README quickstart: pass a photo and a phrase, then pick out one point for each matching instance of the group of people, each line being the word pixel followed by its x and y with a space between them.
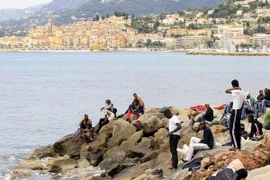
pixel 241 105
pixel 86 131
pixel 236 110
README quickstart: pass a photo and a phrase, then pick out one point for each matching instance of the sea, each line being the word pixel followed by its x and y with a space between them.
pixel 43 96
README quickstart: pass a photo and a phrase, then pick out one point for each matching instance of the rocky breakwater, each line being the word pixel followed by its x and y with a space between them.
pixel 124 151
pixel 213 53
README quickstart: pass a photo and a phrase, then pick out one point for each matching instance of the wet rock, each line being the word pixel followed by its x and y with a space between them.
pixel 112 156
pixel 20 174
pixel 42 152
pixel 67 146
pixel 83 163
pixel 62 165
pixel 96 156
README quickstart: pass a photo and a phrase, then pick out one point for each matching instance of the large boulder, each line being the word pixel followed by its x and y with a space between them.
pixel 42 152
pixel 122 130
pixel 96 156
pixel 212 152
pixel 259 174
pixel 142 148
pixel 62 165
pixel 68 146
pixel 131 141
pixel 216 129
pixel 162 142
pixel 148 123
pixel 112 156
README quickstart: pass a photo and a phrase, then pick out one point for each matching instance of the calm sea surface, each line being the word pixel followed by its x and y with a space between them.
pixel 43 96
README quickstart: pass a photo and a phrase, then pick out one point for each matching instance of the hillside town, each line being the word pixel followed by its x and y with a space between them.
pixel 245 30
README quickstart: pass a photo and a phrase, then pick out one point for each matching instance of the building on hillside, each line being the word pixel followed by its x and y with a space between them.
pixel 261 39
pixel 187 32
pixel 192 42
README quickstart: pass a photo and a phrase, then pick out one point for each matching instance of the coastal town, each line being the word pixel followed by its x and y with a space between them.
pixel 194 29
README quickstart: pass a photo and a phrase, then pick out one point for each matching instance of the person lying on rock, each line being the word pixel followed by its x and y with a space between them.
pixel 256 133
pixel 208 115
pixel 83 125
pixel 136 110
pixel 109 116
pixel 234 171
pixel 199 144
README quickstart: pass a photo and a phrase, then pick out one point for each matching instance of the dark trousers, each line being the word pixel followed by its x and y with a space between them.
pixel 235 128
pixel 102 122
pixel 173 145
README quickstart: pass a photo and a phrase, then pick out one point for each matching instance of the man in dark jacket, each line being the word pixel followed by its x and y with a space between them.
pixel 199 144
pixel 208 115
pixel 256 128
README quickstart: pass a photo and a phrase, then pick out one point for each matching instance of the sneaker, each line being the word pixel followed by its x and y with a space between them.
pixel 91 139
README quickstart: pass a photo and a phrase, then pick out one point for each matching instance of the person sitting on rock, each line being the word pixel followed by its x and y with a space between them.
pixel 250 106
pixel 136 110
pixel 85 125
pixel 266 100
pixel 234 171
pixel 199 144
pixel 109 116
pixel 266 121
pixel 108 105
pixel 135 99
pixel 255 129
pixel 260 97
pixel 87 129
pixel 208 115
pixel 227 113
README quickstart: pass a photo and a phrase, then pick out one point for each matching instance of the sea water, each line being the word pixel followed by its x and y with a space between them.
pixel 43 96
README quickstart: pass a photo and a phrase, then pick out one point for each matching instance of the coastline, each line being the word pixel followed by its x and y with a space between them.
pixel 186 51
pixel 124 150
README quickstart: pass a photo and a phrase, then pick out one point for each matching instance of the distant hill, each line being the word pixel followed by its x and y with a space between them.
pixel 69 11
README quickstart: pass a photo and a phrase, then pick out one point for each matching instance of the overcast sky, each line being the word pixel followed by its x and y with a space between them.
pixel 20 4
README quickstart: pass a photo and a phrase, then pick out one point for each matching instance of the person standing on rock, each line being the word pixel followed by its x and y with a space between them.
pixel 174 135
pixel 238 101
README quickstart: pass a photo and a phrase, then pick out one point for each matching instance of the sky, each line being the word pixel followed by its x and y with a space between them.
pixel 21 4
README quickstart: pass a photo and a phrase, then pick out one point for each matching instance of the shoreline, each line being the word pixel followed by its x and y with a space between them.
pixel 187 52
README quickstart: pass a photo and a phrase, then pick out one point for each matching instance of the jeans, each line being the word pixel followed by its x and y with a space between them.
pixel 173 146
pixel 265 103
pixel 253 111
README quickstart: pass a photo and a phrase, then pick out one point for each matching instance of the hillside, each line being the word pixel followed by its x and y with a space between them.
pixel 69 11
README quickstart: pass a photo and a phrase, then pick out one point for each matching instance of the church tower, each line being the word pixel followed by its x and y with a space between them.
pixel 50 25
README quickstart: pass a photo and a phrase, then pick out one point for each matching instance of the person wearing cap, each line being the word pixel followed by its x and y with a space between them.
pixel 249 106
pixel 173 134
